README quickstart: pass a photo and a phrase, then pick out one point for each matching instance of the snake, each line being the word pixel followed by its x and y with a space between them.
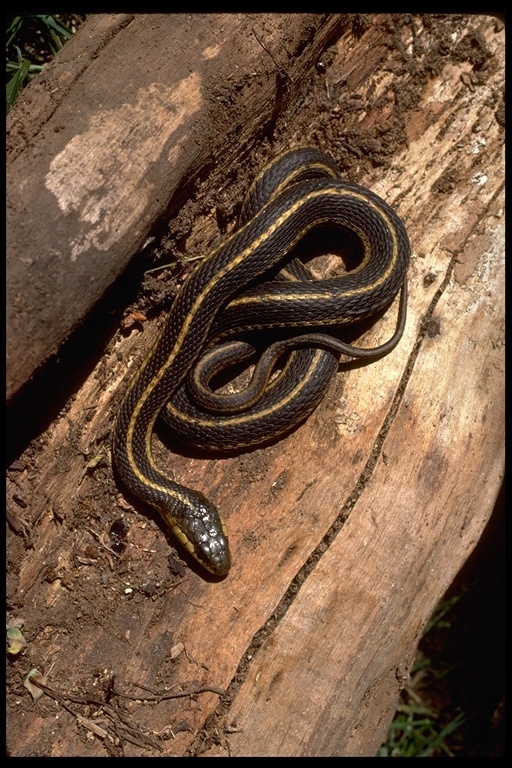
pixel 252 283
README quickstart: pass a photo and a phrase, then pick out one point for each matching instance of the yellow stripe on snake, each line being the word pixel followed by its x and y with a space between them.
pixel 245 284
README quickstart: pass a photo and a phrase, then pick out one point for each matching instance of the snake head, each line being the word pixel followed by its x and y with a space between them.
pixel 202 532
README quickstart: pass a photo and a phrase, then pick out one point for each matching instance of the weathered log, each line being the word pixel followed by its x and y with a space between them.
pixel 346 534
pixel 115 134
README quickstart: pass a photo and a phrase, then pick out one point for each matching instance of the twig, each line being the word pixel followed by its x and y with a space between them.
pixel 119 722
pixel 168 695
pixel 279 66
pixel 119 728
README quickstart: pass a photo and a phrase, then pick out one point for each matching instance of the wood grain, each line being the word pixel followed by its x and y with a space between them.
pixel 346 534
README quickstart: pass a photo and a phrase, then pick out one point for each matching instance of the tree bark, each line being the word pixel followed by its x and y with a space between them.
pixel 346 534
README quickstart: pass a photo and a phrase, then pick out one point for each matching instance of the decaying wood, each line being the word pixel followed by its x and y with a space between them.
pixel 120 131
pixel 346 534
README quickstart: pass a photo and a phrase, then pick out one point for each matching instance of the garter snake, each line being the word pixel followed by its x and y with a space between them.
pixel 298 192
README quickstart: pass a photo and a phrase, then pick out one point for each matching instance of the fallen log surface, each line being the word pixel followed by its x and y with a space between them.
pixel 346 534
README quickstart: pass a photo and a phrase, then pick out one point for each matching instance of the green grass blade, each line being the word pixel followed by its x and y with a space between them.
pixel 15 83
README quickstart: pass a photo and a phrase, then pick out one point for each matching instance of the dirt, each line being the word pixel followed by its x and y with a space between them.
pixel 327 118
